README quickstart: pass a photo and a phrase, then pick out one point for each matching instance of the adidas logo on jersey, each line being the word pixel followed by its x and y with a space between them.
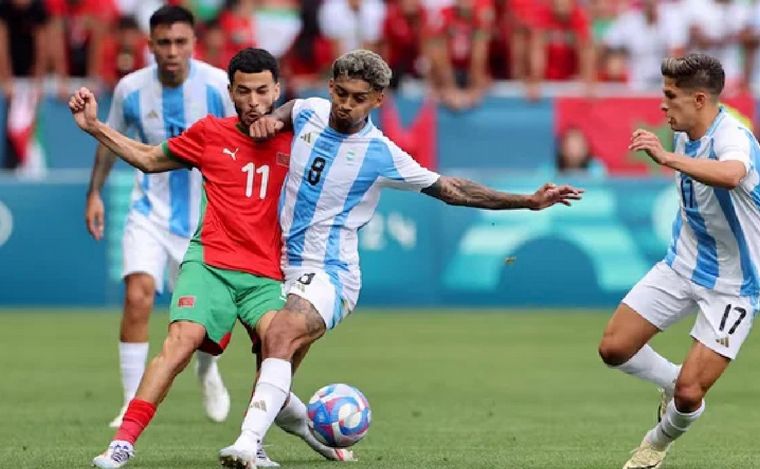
pixel 723 341
pixel 307 137
pixel 152 114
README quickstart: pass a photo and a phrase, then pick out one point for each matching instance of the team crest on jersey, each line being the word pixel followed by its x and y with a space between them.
pixel 187 301
pixel 283 159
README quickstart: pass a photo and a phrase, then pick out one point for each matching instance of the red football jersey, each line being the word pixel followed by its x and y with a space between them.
pixel 242 179
pixel 459 27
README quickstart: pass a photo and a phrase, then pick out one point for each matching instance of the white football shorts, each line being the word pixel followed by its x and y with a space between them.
pixel 149 249
pixel 664 297
pixel 324 292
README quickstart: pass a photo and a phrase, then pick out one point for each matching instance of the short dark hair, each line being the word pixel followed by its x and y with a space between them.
pixel 695 71
pixel 252 60
pixel 167 15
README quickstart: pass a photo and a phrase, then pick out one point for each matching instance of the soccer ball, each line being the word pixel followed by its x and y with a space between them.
pixel 339 415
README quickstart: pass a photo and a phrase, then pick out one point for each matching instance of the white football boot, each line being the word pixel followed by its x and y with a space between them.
pixel 238 457
pixel 646 456
pixel 299 428
pixel 216 398
pixel 263 460
pixel 117 455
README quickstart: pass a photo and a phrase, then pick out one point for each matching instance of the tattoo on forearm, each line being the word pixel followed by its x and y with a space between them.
pixel 459 191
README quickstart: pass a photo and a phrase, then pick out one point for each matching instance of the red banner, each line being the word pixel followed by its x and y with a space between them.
pixel 608 123
pixel 419 139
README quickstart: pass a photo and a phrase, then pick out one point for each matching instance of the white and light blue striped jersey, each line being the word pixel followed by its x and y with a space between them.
pixel 716 234
pixel 141 104
pixel 332 190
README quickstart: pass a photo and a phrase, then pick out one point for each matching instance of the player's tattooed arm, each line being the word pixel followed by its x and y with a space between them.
pixel 268 126
pixel 284 113
pixel 460 191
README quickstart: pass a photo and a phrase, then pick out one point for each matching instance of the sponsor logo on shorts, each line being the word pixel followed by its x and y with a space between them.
pixel 283 159
pixel 187 301
pixel 723 341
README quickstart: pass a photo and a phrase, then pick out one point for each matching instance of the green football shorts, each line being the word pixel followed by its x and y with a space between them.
pixel 215 298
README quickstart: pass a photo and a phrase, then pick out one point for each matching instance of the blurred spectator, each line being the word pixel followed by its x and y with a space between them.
pixel 236 21
pixel 352 24
pixel 204 10
pixel 22 41
pixel 212 46
pixel 499 54
pixel 308 62
pixel 647 35
pixel 574 155
pixel 459 52
pixel 23 27
pixel 77 31
pixel 602 14
pixel 720 28
pixel 520 19
pixel 277 24
pixel 752 56
pixel 140 10
pixel 561 46
pixel 613 66
pixel 403 35
pixel 124 52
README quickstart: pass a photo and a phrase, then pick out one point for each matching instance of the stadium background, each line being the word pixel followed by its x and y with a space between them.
pixel 525 388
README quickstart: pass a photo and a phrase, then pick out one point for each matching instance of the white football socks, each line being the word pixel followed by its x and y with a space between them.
pixel 653 367
pixel 132 358
pixel 293 417
pixel 206 364
pixel 673 424
pixel 271 391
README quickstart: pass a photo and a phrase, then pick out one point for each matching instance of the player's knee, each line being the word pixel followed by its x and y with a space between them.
pixel 612 352
pixel 284 336
pixel 138 300
pixel 179 347
pixel 688 396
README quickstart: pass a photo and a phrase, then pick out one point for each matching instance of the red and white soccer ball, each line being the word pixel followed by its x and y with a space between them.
pixel 339 415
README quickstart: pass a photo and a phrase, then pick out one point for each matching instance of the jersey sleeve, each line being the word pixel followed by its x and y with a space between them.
pixel 304 109
pixel 117 119
pixel 734 144
pixel 187 147
pixel 401 171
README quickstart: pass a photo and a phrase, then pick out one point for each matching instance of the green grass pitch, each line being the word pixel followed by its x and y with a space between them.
pixel 448 390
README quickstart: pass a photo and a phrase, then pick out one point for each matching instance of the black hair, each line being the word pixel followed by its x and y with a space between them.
pixel 167 15
pixel 252 60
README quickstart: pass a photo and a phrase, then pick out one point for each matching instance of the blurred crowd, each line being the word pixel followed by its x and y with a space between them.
pixel 458 47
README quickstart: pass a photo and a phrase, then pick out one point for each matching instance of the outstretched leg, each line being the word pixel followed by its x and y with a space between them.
pixel 183 339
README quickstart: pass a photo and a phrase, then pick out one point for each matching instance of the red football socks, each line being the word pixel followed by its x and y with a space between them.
pixel 138 416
